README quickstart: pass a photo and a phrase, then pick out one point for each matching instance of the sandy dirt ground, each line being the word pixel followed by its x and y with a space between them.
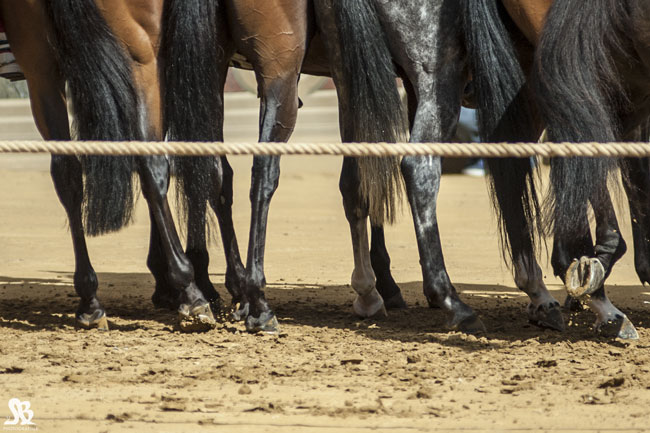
pixel 327 370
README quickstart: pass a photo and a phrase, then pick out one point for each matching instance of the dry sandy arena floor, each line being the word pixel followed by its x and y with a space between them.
pixel 327 370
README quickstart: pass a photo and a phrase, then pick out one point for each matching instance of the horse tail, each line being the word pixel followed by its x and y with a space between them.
pixel 105 105
pixel 375 105
pixel 193 100
pixel 504 113
pixel 579 93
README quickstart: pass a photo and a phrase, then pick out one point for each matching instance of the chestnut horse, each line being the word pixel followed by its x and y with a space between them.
pixel 108 54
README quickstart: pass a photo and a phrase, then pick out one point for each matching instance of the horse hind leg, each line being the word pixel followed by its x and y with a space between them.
pixel 369 302
pixel 564 254
pixel 47 88
pixel 380 261
pixel 66 174
pixel 510 188
pixel 587 274
pixel 279 109
pixel 194 311
pixel 196 249
pixel 235 271
pixel 637 188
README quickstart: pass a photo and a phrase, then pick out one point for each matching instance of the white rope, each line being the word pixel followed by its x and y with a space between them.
pixel 496 150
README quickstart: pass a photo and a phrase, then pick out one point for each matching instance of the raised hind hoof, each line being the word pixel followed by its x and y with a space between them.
pixel 164 301
pixel 396 302
pixel 584 277
pixel 470 325
pixel 239 311
pixel 572 305
pixel 198 318
pixel 369 305
pixel 267 323
pixel 621 327
pixel 547 316
pixel 96 320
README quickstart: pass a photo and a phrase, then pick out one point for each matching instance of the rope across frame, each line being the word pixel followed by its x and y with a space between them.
pixel 485 150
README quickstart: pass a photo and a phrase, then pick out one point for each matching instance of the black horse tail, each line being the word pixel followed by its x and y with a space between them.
pixel 193 101
pixel 369 77
pixel 105 105
pixel 579 93
pixel 504 114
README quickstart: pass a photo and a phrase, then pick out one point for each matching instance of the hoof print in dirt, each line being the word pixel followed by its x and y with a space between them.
pixel 267 323
pixel 584 277
pixel 96 320
pixel 547 316
pixel 196 318
pixel 621 327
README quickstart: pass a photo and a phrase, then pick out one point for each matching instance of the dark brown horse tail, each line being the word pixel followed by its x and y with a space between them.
pixel 105 104
pixel 504 114
pixel 193 109
pixel 579 92
pixel 369 76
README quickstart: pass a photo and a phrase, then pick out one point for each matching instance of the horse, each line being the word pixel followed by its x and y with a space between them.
pixel 432 62
pixel 592 89
pixel 107 52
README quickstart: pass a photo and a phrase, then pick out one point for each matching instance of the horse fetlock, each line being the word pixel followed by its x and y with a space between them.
pixel 363 281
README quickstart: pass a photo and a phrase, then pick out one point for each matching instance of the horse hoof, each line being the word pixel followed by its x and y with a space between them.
pixel 163 301
pixel 546 316
pixel 198 318
pixel 369 305
pixel 396 302
pixel 239 311
pixel 584 277
pixel 469 325
pixel 96 320
pixel 621 327
pixel 572 305
pixel 267 323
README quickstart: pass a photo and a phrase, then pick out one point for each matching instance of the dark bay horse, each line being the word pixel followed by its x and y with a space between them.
pixel 108 54
pixel 595 89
